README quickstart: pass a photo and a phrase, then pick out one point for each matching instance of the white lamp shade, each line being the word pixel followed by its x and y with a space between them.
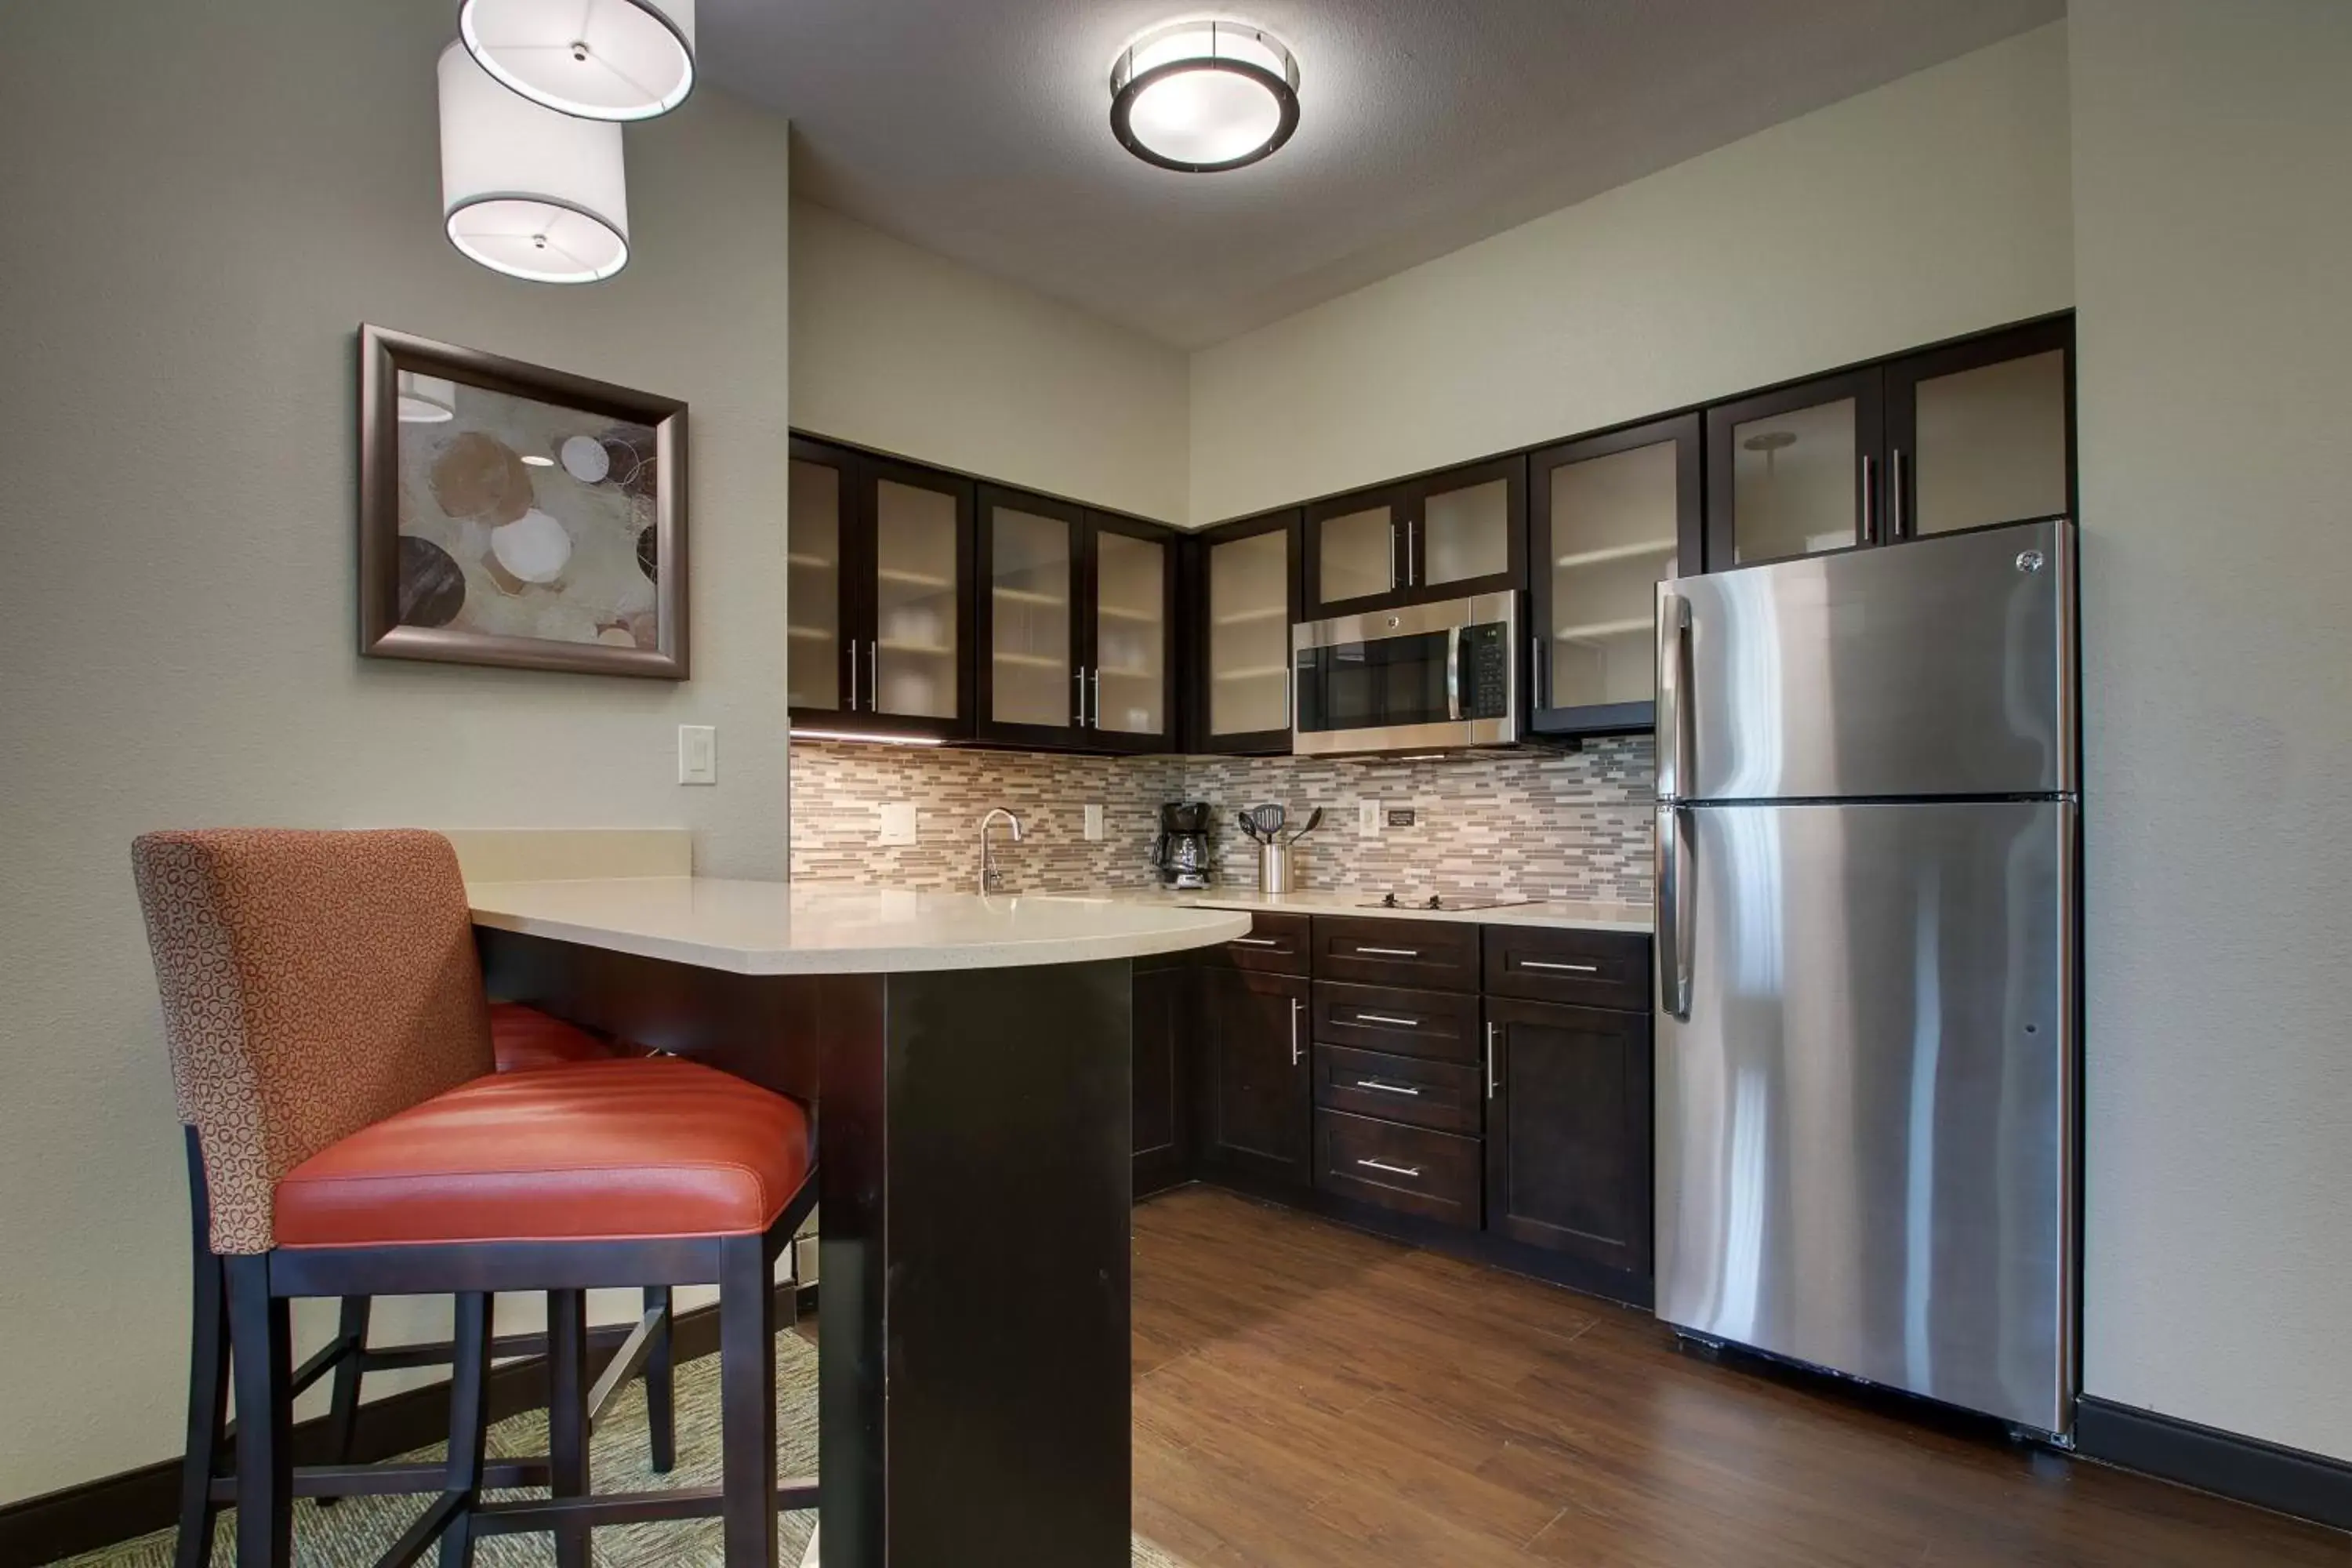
pixel 427 399
pixel 524 190
pixel 598 59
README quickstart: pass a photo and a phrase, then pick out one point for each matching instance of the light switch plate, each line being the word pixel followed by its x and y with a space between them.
pixel 898 821
pixel 1094 824
pixel 698 754
pixel 1367 819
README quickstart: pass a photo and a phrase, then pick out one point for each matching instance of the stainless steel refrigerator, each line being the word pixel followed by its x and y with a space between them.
pixel 1868 1064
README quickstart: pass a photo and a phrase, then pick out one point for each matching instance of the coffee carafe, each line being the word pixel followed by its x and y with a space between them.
pixel 1180 853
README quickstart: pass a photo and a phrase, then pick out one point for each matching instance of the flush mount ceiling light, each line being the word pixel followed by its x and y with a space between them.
pixel 1202 97
pixel 598 59
pixel 524 190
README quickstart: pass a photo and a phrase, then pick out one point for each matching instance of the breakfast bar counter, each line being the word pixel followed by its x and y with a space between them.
pixel 968 1060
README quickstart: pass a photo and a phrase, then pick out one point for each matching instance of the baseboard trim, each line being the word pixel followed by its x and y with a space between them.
pixel 2248 1469
pixel 123 1507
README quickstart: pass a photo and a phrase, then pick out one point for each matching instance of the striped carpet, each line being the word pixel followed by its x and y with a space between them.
pixel 354 1532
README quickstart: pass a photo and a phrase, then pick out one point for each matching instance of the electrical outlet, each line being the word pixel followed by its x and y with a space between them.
pixel 1094 824
pixel 698 754
pixel 1367 819
pixel 897 823
pixel 1400 817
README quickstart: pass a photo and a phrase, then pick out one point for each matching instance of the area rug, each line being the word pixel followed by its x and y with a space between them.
pixel 355 1533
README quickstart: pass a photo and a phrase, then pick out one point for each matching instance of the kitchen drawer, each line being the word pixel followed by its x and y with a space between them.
pixel 1435 955
pixel 1436 1025
pixel 1408 1169
pixel 1276 944
pixel 1579 968
pixel 1445 1097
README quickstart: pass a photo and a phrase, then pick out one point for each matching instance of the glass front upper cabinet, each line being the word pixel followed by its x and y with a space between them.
pixel 1442 536
pixel 878 561
pixel 1979 433
pixel 1795 472
pixel 1130 693
pixel 1614 516
pixel 1248 601
pixel 1033 573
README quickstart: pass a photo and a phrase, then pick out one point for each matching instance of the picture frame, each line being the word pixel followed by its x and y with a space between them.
pixel 519 517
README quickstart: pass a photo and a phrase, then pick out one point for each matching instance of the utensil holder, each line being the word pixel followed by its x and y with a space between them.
pixel 1273 868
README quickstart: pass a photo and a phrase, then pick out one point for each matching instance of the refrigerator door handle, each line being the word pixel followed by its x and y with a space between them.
pixel 1674 693
pixel 1674 919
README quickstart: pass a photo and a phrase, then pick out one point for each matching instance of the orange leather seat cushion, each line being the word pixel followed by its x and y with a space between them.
pixel 630 1148
pixel 524 1039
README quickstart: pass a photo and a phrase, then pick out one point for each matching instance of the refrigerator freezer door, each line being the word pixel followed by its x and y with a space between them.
pixel 1865 1138
pixel 1940 667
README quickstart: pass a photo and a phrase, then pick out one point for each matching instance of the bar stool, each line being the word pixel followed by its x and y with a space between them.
pixel 331 1048
pixel 521 1038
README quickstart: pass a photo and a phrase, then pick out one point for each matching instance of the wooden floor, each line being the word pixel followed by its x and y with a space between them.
pixel 1306 1394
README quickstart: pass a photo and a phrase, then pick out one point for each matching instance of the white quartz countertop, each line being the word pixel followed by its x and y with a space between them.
pixel 1554 913
pixel 779 928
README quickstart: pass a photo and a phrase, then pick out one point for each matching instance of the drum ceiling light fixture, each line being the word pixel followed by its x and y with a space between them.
pixel 596 60
pixel 1201 97
pixel 524 190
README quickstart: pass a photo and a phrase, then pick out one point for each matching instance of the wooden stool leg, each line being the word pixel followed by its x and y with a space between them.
pixel 207 1408
pixel 343 1414
pixel 567 1417
pixel 261 1345
pixel 469 1422
pixel 661 1386
pixel 747 1399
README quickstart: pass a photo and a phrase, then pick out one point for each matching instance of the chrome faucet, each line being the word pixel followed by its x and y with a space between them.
pixel 989 875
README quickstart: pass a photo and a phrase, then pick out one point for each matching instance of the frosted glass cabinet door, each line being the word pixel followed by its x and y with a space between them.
pixel 1356 554
pixel 1467 532
pixel 1614 516
pixel 918 600
pixel 1248 640
pixel 1978 432
pixel 1128 685
pixel 1794 472
pixel 816 585
pixel 1031 569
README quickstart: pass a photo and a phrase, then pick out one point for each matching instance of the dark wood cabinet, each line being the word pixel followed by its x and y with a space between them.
pixel 1609 517
pixel 1255 1085
pixel 1965 434
pixel 1163 993
pixel 1445 536
pixel 880 570
pixel 1075 618
pixel 1411 1170
pixel 1243 593
pixel 1567 1131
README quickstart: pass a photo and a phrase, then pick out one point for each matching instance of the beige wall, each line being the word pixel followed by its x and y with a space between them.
pixel 203 202
pixel 899 349
pixel 2213 218
pixel 1930 207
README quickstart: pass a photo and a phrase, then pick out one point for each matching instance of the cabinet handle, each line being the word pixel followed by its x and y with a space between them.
pixel 1294 1005
pixel 853 677
pixel 1388 1019
pixel 1255 941
pixel 1412 542
pixel 1568 968
pixel 1490 1061
pixel 1412 1170
pixel 1390 951
pixel 1388 1088
pixel 1869 499
pixel 1094 683
pixel 1895 507
pixel 1536 674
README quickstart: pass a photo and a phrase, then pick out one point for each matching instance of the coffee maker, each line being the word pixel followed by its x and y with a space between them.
pixel 1181 852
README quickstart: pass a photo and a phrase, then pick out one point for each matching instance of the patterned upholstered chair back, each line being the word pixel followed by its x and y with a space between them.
pixel 313 983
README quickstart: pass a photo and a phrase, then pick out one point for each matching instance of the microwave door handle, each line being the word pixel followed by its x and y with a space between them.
pixel 1453 674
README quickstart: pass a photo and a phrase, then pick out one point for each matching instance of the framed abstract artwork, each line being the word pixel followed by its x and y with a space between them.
pixel 516 516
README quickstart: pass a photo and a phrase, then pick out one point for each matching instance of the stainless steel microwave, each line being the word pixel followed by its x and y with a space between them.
pixel 1426 677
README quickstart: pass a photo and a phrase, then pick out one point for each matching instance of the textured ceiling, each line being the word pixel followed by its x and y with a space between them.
pixel 979 129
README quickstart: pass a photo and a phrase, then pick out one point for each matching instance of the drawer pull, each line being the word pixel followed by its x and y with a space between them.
pixel 1388 1088
pixel 1412 1170
pixel 1388 1019
pixel 1390 951
pixel 1570 968
pixel 1255 941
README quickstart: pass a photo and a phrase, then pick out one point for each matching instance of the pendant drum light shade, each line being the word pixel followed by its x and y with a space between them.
pixel 598 59
pixel 426 399
pixel 524 190
pixel 1202 97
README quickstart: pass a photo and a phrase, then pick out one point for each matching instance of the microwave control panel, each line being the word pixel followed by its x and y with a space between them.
pixel 1486 671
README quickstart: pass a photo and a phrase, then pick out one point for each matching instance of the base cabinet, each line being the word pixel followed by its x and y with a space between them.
pixel 1567 1131
pixel 1255 1090
pixel 1163 1005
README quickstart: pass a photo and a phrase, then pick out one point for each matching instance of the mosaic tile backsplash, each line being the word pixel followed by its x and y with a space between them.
pixel 1534 825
